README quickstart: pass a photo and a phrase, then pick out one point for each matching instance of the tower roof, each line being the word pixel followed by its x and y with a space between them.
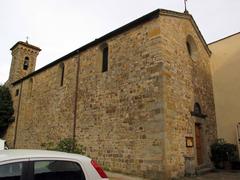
pixel 26 44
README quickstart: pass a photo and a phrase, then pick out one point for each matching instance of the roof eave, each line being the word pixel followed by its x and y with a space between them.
pixel 26 45
pixel 143 19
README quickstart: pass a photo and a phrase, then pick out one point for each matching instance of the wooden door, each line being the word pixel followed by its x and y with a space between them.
pixel 198 143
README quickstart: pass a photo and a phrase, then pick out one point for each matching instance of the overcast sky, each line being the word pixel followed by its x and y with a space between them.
pixel 61 26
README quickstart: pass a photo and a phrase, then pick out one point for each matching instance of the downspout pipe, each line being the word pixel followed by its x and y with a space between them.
pixel 75 101
pixel 18 110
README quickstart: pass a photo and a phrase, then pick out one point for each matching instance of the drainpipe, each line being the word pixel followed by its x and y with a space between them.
pixel 18 110
pixel 75 101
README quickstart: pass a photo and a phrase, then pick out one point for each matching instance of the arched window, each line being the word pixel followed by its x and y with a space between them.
pixel 191 48
pixel 26 63
pixel 30 86
pixel 104 57
pixel 197 109
pixel 17 92
pixel 61 67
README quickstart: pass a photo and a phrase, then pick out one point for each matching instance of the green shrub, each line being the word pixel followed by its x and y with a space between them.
pixel 65 145
pixel 222 152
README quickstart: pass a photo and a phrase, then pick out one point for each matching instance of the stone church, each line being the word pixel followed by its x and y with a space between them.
pixel 139 99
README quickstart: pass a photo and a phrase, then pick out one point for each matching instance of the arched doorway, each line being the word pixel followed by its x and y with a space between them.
pixel 199 121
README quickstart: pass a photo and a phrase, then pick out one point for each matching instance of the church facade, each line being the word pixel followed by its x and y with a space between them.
pixel 139 99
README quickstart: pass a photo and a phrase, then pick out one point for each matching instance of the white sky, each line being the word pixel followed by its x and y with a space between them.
pixel 61 26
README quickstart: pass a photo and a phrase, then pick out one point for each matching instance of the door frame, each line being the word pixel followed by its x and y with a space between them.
pixel 199 143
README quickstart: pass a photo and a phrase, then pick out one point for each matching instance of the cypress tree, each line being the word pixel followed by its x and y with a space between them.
pixel 6 109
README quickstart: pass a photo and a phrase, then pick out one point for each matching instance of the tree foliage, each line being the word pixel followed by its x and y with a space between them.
pixel 6 109
pixel 65 145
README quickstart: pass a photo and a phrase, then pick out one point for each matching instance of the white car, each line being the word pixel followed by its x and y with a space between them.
pixel 47 165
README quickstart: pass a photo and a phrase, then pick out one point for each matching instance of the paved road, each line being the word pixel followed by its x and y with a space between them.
pixel 218 175
pixel 116 176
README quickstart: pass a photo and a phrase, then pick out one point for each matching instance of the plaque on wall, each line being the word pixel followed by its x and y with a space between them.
pixel 189 141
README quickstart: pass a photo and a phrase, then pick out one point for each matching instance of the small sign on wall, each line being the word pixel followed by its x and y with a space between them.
pixel 2 144
pixel 189 141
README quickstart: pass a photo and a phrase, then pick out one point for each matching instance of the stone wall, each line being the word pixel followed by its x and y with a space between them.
pixel 46 109
pixel 186 82
pixel 122 109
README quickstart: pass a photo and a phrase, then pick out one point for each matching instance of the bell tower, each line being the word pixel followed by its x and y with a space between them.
pixel 24 56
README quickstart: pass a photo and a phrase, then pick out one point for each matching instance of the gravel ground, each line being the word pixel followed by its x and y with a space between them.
pixel 217 175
